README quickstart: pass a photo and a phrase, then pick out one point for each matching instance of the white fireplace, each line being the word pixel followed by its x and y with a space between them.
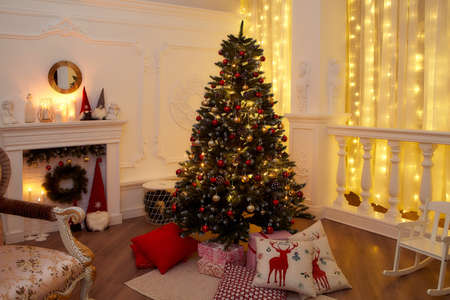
pixel 14 139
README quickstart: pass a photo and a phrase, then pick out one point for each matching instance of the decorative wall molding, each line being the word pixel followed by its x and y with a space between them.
pixel 333 85
pixel 303 85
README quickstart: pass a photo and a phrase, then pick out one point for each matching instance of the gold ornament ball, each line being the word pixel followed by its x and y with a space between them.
pixel 211 143
pixel 214 109
pixel 229 198
pixel 205 102
pixel 287 187
pixel 233 65
pixel 280 126
pixel 264 129
pixel 245 87
pixel 69 161
pixel 250 208
pixel 245 179
pixel 249 138
pixel 263 212
pixel 86 158
pixel 237 120
pixel 216 198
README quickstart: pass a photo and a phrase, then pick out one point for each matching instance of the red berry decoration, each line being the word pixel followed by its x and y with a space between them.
pixel 192 139
pixel 272 131
pixel 237 75
pixel 262 58
pixel 255 126
pixel 260 111
pixel 259 148
pixel 225 61
pixel 275 202
pixel 261 80
pixel 255 74
pixel 198 118
pixel 199 177
pixel 227 182
pixel 179 171
pixel 285 174
pixel 258 94
pixel 241 53
pixel 220 52
pixel 205 228
pixel 269 229
pixel 60 164
pixel 174 194
pixel 174 207
pixel 238 107
pixel 300 194
pixel 194 184
pixel 222 82
pixel 276 116
pixel 213 179
pixel 201 156
pixel 213 86
pixel 248 162
pixel 232 136
pixel 214 122
pixel 284 138
pixel 220 163
pixel 48 167
pixel 202 209
pixel 230 213
pixel 227 109
pixel 221 73
pixel 258 177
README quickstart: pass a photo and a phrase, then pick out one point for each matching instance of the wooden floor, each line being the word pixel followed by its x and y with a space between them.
pixel 361 255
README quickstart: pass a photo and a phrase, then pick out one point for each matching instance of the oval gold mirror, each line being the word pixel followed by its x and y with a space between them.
pixel 64 77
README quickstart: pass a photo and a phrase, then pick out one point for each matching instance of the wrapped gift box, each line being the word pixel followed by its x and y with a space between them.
pixel 251 253
pixel 211 269
pixel 215 253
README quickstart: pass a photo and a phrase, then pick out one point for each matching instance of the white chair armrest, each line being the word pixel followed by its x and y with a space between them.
pixel 411 225
pixel 446 240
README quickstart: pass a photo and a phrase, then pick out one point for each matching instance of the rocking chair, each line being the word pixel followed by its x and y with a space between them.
pixel 422 243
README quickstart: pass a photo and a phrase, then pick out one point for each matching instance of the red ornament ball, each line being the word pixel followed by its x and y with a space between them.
pixel 60 164
pixel 300 194
pixel 238 107
pixel 285 174
pixel 248 162
pixel 272 131
pixel 174 207
pixel 227 109
pixel 269 229
pixel 192 139
pixel 260 111
pixel 199 177
pixel 48 167
pixel 214 122
pixel 292 221
pixel 241 53
pixel 261 80
pixel 227 182
pixel 255 74
pixel 230 213
pixel 262 58
pixel 213 179
pixel 222 82
pixel 237 75
pixel 255 126
pixel 213 85
pixel 221 73
pixel 232 136
pixel 220 52
pixel 220 163
pixel 276 116
pixel 225 61
pixel 284 138
pixel 259 148
pixel 198 118
pixel 258 94
pixel 179 171
pixel 201 156
pixel 275 202
pixel 174 194
pixel 202 209
pixel 205 228
pixel 258 177
pixel 194 184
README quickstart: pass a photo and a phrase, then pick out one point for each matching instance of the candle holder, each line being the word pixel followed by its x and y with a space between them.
pixel 46 113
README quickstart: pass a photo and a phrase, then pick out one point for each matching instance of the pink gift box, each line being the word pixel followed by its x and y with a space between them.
pixel 215 253
pixel 251 253
pixel 208 268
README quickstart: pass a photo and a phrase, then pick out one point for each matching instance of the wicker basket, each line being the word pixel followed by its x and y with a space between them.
pixel 157 200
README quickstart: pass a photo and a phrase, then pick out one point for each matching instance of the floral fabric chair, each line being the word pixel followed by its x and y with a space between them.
pixel 32 273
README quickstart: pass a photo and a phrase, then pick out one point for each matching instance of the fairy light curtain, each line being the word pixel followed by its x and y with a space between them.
pixel 269 21
pixel 398 76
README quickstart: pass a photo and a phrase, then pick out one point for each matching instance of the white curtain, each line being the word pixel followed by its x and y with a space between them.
pixel 398 76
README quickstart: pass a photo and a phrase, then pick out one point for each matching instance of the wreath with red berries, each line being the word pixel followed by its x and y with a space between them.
pixel 63 195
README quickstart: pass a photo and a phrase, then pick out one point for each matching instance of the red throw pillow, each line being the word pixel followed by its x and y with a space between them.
pixel 164 247
pixel 141 261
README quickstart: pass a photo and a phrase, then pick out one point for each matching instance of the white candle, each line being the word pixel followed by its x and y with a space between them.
pixel 29 194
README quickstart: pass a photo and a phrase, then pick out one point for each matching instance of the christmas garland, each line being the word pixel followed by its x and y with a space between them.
pixel 40 155
pixel 62 195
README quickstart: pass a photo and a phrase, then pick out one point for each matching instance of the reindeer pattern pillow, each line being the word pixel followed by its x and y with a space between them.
pixel 284 265
pixel 326 274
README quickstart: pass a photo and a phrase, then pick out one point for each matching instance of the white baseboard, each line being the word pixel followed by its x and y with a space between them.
pixel 133 212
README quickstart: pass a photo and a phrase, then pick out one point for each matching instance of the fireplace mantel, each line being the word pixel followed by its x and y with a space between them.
pixel 14 139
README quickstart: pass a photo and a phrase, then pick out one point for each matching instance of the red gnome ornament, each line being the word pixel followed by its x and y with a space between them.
pixel 85 109
pixel 97 217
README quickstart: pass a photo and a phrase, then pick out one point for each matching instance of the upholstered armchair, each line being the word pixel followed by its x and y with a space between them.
pixel 29 272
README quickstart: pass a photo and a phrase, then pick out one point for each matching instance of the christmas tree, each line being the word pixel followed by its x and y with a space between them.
pixel 238 172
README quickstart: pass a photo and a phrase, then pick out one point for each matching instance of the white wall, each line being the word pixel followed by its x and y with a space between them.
pixel 153 59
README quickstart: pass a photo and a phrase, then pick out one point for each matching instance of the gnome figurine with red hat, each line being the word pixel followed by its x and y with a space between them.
pixel 97 217
pixel 85 110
